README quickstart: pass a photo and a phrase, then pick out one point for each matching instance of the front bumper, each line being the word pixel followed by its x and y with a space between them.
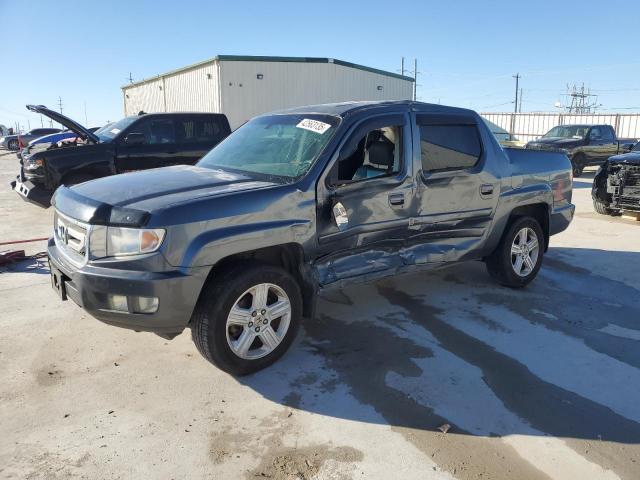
pixel 32 192
pixel 561 218
pixel 89 286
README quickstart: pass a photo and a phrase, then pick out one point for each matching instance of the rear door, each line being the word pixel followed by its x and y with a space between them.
pixel 148 143
pixel 457 188
pixel 365 200
pixel 196 135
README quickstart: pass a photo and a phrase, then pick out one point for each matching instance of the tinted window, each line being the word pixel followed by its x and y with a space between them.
pixel 607 134
pixel 155 130
pixel 447 147
pixel 198 130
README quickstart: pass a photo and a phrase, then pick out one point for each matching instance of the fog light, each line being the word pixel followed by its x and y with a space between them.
pixel 144 304
pixel 118 302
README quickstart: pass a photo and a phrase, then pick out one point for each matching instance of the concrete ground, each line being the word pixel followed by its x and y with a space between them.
pixel 542 383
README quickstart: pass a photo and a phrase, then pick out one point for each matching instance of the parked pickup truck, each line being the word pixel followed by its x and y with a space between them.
pixel 584 144
pixel 616 186
pixel 238 246
pixel 136 142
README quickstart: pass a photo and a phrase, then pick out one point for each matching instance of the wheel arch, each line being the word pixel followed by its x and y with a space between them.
pixel 539 211
pixel 288 256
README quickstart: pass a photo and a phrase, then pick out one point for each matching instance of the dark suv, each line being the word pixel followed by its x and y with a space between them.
pixel 137 142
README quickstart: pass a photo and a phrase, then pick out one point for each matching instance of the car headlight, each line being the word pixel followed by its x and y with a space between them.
pixel 119 241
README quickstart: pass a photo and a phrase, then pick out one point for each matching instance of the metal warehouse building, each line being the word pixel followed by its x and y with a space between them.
pixel 244 86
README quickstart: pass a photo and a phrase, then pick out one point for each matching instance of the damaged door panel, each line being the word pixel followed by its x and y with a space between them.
pixel 371 181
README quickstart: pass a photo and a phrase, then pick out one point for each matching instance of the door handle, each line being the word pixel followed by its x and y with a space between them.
pixel 396 199
pixel 486 189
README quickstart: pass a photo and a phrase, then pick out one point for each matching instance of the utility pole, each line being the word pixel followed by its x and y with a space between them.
pixel 415 79
pixel 86 122
pixel 402 67
pixel 131 78
pixel 60 104
pixel 517 77
pixel 520 106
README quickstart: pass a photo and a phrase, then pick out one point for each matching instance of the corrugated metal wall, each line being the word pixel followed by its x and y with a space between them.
pixel 193 90
pixel 147 96
pixel 529 126
pixel 291 84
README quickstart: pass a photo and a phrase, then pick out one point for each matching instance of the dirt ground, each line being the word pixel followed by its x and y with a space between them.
pixel 542 383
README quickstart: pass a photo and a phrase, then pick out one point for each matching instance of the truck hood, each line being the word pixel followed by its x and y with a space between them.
pixel 66 121
pixel 129 199
pixel 632 158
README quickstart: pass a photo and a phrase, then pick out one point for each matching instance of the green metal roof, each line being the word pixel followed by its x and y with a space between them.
pixel 258 58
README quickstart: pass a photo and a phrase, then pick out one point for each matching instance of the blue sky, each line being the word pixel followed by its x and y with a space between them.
pixel 467 50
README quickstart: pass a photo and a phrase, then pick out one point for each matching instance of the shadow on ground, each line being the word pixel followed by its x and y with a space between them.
pixel 559 358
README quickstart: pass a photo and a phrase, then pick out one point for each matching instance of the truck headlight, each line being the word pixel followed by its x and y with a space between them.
pixel 133 241
pixel 107 241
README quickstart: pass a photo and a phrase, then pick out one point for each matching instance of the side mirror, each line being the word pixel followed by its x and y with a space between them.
pixel 340 216
pixel 134 139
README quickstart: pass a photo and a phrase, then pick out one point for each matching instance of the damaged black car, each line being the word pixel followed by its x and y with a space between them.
pixel 616 186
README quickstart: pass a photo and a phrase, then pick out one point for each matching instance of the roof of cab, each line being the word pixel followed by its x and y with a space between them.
pixel 345 108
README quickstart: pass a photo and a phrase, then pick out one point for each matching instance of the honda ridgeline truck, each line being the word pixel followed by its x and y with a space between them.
pixel 237 247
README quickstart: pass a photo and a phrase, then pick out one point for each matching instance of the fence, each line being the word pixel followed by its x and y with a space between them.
pixel 529 126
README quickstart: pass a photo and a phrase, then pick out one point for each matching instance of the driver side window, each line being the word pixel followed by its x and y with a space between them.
pixel 155 130
pixel 377 153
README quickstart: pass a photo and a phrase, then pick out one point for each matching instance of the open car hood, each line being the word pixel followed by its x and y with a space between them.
pixel 72 125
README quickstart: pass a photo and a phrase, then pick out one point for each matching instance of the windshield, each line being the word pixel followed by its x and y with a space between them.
pixel 567 131
pixel 107 134
pixel 280 145
pixel 636 147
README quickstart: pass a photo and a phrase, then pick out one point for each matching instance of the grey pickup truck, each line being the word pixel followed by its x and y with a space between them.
pixel 238 246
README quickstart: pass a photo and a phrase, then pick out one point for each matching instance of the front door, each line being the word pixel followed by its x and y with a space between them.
pixel 601 144
pixel 148 143
pixel 364 202
pixel 457 191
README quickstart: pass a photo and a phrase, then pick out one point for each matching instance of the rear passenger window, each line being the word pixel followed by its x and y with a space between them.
pixel 192 130
pixel 449 147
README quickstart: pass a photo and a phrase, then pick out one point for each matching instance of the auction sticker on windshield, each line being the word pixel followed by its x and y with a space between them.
pixel 314 125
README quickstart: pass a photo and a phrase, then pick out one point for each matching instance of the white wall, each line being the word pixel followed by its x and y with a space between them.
pixel 235 90
pixel 147 96
pixel 291 84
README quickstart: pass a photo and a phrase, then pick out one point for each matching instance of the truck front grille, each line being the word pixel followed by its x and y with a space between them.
pixel 71 237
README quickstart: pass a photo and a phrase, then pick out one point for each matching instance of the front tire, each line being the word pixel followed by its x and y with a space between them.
pixel 603 208
pixel 518 257
pixel 247 317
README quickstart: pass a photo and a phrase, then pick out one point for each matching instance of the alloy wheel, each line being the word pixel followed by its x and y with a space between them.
pixel 525 249
pixel 258 321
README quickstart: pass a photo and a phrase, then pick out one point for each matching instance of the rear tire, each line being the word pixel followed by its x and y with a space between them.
pixel 518 257
pixel 257 332
pixel 13 145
